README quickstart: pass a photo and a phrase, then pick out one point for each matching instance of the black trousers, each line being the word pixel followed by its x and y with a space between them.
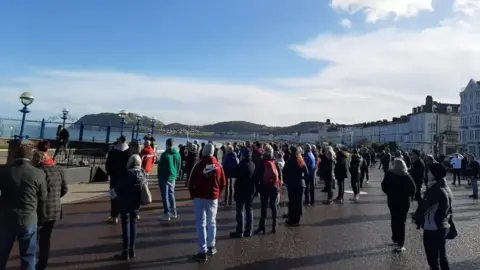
pixel 309 190
pixel 268 197
pixel 295 205
pixel 398 214
pixel 363 175
pixel 418 187
pixel 329 186
pixel 355 181
pixel 456 175
pixel 44 235
pixel 341 188
pixel 434 244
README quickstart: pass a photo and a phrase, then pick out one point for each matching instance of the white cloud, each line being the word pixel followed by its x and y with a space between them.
pixel 376 10
pixel 469 7
pixel 346 23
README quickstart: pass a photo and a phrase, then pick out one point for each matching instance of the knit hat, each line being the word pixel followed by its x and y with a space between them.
pixel 25 151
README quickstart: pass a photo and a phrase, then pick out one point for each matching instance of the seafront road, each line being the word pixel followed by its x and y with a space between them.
pixel 348 236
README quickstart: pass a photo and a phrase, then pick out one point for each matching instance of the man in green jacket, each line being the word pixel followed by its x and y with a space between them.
pixel 168 169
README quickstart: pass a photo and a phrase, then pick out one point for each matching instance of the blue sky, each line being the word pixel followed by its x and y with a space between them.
pixel 247 58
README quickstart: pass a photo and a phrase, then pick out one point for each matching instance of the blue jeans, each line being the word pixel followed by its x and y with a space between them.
pixel 205 217
pixel 129 229
pixel 167 190
pixel 244 219
pixel 27 244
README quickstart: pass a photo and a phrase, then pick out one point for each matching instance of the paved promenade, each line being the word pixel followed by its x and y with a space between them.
pixel 348 236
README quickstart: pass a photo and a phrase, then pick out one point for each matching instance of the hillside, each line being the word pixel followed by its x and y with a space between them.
pixel 239 127
pixel 104 119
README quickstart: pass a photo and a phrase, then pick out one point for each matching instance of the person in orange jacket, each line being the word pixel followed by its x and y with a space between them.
pixel 147 156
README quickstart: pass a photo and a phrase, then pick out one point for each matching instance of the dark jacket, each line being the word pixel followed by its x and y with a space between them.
pixel 51 208
pixel 435 209
pixel 366 157
pixel 257 157
pixel 341 166
pixel 63 136
pixel 116 164
pixel 418 171
pixel 22 188
pixel 399 188
pixel 129 189
pixel 294 174
pixel 407 159
pixel 245 184
pixel 230 163
pixel 355 164
pixel 473 169
pixel 191 160
pixel 386 160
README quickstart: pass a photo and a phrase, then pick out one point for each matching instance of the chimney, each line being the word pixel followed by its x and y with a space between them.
pixel 414 110
pixel 428 104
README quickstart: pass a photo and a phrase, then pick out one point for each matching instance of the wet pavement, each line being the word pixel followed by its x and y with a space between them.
pixel 348 236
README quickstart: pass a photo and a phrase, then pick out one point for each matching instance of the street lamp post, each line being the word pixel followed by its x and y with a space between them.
pixel 122 114
pixel 27 99
pixel 139 118
pixel 153 120
pixel 64 116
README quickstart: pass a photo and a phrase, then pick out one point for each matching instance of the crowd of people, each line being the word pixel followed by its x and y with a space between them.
pixel 240 172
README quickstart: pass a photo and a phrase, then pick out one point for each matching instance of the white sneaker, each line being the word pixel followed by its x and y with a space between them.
pixel 164 218
pixel 173 216
pixel 399 249
pixel 357 197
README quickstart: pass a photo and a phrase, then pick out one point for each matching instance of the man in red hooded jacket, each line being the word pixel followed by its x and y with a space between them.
pixel 206 183
pixel 147 156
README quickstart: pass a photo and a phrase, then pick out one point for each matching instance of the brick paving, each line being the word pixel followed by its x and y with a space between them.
pixel 348 236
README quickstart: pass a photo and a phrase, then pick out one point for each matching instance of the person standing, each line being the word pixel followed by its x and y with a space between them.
pixel 434 217
pixel 147 155
pixel 341 173
pixel 268 184
pixel 50 211
pixel 293 174
pixel 399 187
pixel 62 140
pixel 456 163
pixel 418 173
pixel 355 164
pixel 22 189
pixel 206 183
pixel 386 160
pixel 129 192
pixel 230 163
pixel 311 164
pixel 244 194
pixel 168 169
pixel 191 160
pixel 116 165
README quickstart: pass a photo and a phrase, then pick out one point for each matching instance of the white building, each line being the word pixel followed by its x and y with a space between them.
pixel 433 128
pixel 470 117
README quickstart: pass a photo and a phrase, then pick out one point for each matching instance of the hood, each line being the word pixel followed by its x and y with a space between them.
pixel 139 174
pixel 399 172
pixel 171 151
pixel 121 147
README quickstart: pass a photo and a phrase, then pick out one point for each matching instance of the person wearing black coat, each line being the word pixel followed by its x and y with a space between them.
pixel 116 166
pixel 294 173
pixel 385 161
pixel 417 171
pixel 355 164
pixel 244 194
pixel 364 170
pixel 407 159
pixel 340 173
pixel 399 187
pixel 191 159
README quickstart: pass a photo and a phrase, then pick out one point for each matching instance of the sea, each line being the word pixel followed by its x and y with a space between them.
pixel 33 132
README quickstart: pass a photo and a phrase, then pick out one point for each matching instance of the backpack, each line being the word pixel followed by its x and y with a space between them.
pixel 270 173
pixel 145 194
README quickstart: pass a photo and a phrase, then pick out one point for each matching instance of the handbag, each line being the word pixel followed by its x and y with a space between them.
pixel 145 194
pixel 452 232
